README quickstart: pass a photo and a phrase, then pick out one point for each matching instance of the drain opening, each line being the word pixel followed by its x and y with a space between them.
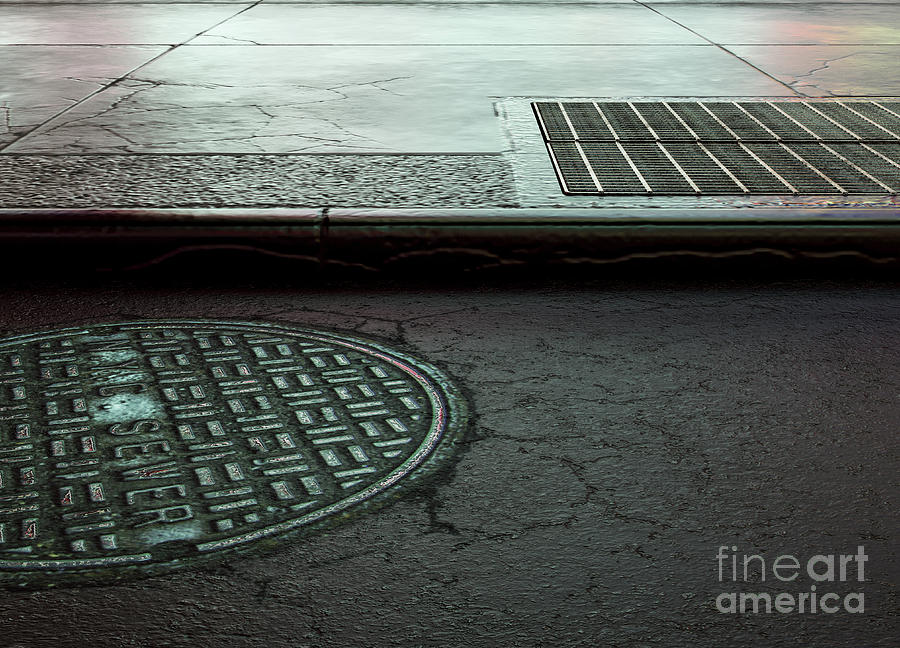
pixel 723 147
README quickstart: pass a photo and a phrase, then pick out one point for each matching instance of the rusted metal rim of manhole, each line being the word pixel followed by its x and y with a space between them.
pixel 137 448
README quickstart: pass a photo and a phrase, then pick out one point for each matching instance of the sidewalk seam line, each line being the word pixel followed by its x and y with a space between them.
pixel 721 47
pixel 115 82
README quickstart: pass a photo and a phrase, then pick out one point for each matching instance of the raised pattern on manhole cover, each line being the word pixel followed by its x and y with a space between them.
pixel 723 147
pixel 140 447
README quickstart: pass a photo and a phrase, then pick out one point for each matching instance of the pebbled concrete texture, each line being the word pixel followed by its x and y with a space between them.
pixel 623 431
pixel 249 181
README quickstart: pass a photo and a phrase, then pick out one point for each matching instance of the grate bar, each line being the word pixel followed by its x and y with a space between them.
pixel 612 169
pixel 562 109
pixel 773 120
pixel 815 170
pixel 587 165
pixel 859 169
pixel 890 169
pixel 721 123
pixel 662 122
pixel 700 121
pixel 573 175
pixel 553 125
pixel 815 136
pixel 628 123
pixel 883 107
pixel 883 157
pixel 705 173
pixel 560 176
pixel 841 126
pixel 634 168
pixel 681 121
pixel 725 169
pixel 679 167
pixel 880 114
pixel 766 128
pixel 606 122
pixel 644 121
pixel 877 125
pixel 770 169
pixel 583 119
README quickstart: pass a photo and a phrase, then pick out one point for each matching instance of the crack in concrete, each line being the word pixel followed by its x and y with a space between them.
pixel 435 524
pixel 482 535
pixel 715 44
pixel 232 38
pixel 109 129
pixel 357 322
pixel 138 86
pixel 375 84
pixel 329 562
pixel 100 81
pixel 119 80
pixel 112 106
pixel 175 84
pixel 83 100
pixel 825 65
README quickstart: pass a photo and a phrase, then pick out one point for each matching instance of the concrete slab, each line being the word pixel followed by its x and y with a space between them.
pixel 825 24
pixel 39 82
pixel 450 24
pixel 820 71
pixel 129 24
pixel 366 99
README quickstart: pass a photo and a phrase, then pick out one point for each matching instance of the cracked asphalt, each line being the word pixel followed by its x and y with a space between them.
pixel 622 432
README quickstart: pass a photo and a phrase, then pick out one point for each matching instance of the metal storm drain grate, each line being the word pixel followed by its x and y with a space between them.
pixel 141 447
pixel 723 147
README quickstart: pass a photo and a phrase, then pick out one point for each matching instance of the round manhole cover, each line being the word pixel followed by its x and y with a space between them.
pixel 139 447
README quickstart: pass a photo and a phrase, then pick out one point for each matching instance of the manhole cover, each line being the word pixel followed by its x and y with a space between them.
pixel 723 147
pixel 141 447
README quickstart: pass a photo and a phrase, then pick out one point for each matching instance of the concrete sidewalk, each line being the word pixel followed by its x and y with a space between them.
pixel 438 88
pixel 405 107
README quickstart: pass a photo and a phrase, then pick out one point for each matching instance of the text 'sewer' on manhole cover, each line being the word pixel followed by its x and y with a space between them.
pixel 137 448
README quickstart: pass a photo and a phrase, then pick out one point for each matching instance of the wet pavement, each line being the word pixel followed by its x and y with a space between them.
pixel 650 379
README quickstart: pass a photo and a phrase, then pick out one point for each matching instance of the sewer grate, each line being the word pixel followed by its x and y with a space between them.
pixel 723 147
pixel 137 448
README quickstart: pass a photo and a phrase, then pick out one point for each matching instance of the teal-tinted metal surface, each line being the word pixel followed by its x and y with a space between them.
pixel 137 448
